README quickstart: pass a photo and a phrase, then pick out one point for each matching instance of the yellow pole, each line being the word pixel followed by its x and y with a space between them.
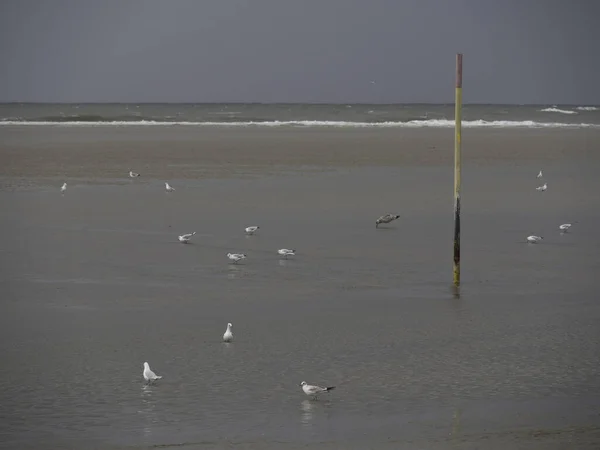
pixel 457 145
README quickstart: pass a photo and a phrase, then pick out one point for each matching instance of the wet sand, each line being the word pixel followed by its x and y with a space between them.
pixel 200 153
pixel 94 283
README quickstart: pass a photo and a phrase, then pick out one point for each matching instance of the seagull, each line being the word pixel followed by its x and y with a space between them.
pixel 252 229
pixel 150 376
pixel 236 257
pixel 228 336
pixel 542 188
pixel 185 238
pixel 314 391
pixel 168 187
pixel 539 175
pixel 132 174
pixel 386 219
pixel 565 227
pixel 63 188
pixel 285 252
pixel 534 239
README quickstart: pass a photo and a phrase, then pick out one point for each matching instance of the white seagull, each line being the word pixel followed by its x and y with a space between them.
pixel 542 188
pixel 539 175
pixel 132 174
pixel 168 187
pixel 228 336
pixel 236 257
pixel 251 230
pixel 185 238
pixel 150 376
pixel 565 227
pixel 314 391
pixel 285 252
pixel 387 218
pixel 534 239
pixel 63 188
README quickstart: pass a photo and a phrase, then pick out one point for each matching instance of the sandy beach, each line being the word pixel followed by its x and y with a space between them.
pixel 95 283
pixel 203 152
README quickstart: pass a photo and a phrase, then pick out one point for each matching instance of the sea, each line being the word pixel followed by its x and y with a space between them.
pixel 299 115
pixel 93 281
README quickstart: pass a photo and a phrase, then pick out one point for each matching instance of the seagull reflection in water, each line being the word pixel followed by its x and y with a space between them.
pixel 307 412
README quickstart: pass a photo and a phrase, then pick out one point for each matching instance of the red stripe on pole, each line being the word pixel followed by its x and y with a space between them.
pixel 459 70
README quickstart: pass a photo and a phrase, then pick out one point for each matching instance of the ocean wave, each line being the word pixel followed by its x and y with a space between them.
pixel 557 110
pixel 128 118
pixel 431 123
pixel 587 108
pixel 94 118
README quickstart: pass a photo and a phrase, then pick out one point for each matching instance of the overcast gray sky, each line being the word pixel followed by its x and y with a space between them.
pixel 515 51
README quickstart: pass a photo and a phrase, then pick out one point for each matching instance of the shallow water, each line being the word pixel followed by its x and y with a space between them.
pixel 95 283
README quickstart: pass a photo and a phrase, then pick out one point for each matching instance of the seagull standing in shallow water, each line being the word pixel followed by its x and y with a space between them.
pixel 63 188
pixel 314 391
pixel 228 336
pixel 185 238
pixel 285 252
pixel 534 239
pixel 132 174
pixel 168 187
pixel 387 218
pixel 150 376
pixel 236 257
pixel 542 188
pixel 251 230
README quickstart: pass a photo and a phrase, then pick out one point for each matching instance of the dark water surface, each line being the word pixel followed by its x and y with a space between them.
pixel 94 283
pixel 328 115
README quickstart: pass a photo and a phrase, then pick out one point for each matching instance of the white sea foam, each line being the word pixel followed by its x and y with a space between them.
pixel 557 110
pixel 587 108
pixel 432 123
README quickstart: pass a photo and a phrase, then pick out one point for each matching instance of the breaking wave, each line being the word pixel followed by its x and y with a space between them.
pixel 430 123
pixel 557 110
